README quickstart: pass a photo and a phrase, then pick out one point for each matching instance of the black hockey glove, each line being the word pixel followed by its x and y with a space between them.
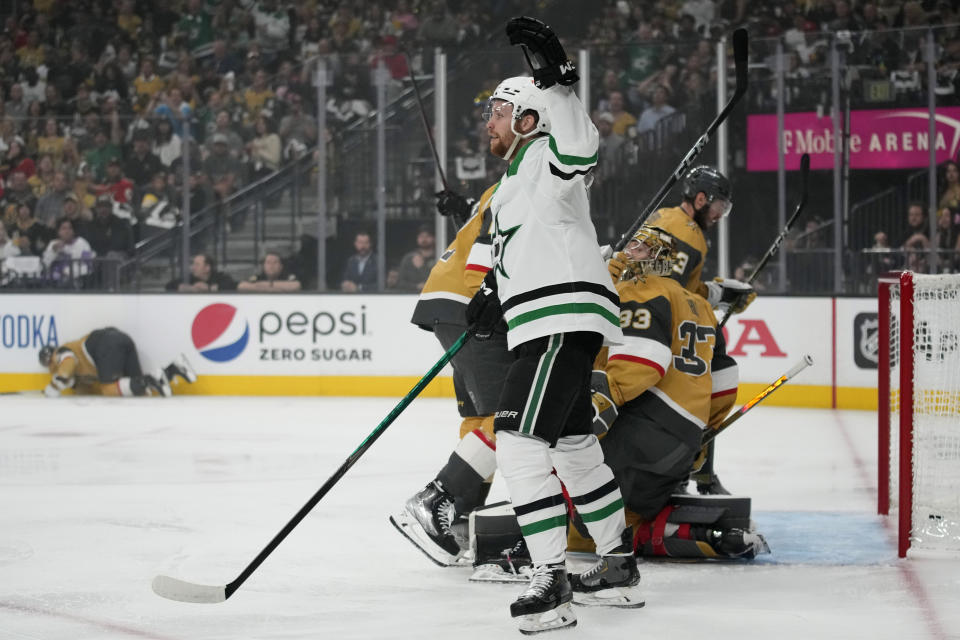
pixel 549 63
pixel 604 409
pixel 454 205
pixel 484 312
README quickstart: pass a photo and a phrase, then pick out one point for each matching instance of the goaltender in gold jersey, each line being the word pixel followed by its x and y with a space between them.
pixel 656 394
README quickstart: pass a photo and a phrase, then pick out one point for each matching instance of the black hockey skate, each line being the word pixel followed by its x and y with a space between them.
pixel 613 582
pixel 180 368
pixel 710 486
pixel 428 520
pixel 545 604
pixel 737 543
pixel 158 382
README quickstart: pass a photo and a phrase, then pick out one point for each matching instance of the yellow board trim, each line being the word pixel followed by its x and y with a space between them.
pixel 790 395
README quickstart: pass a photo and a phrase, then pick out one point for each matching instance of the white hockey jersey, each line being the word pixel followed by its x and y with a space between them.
pixel 550 275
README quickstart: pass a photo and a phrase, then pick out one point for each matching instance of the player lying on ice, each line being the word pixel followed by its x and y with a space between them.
pixel 105 362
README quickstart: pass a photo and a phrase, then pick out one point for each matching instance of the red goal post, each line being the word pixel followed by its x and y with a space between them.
pixel 918 417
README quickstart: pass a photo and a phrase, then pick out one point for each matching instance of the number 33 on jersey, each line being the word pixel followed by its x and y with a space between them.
pixel 670 353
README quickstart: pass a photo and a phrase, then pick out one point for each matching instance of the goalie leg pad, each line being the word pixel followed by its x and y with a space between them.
pixel 700 527
pixel 499 550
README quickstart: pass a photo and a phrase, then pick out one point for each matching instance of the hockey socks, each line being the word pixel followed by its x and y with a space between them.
pixel 139 386
pixel 537 498
pixel 468 470
pixel 592 488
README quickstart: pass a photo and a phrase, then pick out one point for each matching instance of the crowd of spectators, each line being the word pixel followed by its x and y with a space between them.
pixel 907 244
pixel 97 95
pixel 659 54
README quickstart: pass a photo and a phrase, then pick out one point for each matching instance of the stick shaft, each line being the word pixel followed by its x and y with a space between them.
pixel 740 57
pixel 349 462
pixel 189 592
pixel 426 124
pixel 804 362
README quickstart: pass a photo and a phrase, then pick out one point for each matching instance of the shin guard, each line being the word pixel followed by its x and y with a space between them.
pixel 593 489
pixel 525 464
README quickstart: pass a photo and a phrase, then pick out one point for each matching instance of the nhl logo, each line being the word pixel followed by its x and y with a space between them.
pixel 866 334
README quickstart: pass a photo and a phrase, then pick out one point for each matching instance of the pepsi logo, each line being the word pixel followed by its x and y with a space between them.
pixel 219 333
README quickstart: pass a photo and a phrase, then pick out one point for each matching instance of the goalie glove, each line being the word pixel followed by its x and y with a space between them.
pixel 57 384
pixel 730 296
pixel 616 266
pixel 452 204
pixel 549 63
pixel 484 312
pixel 604 409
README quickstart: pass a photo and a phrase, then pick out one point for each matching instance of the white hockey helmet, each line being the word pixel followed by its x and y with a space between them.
pixel 524 96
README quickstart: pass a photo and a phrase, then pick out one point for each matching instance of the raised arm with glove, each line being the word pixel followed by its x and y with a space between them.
pixel 545 55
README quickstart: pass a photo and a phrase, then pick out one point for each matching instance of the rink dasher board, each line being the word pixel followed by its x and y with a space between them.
pixel 334 344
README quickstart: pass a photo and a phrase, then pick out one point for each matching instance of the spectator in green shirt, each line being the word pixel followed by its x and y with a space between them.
pixel 100 154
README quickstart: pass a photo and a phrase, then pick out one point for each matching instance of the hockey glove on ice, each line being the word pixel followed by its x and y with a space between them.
pixel 57 384
pixel 484 311
pixel 604 409
pixel 731 296
pixel 452 204
pixel 549 63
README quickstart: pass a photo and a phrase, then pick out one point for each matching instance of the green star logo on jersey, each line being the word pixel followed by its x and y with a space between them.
pixel 501 237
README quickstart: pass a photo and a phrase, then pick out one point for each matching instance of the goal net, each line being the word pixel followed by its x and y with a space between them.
pixel 919 408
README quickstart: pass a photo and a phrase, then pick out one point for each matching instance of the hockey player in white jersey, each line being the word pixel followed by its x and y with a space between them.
pixel 552 288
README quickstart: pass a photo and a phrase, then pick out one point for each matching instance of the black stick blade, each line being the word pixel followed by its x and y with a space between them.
pixel 804 166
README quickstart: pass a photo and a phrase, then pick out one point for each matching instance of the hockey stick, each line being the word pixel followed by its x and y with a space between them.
pixel 426 125
pixel 175 589
pixel 740 45
pixel 804 171
pixel 805 362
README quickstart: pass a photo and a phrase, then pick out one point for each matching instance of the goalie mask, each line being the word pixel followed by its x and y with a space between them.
pixel 525 97
pixel 649 252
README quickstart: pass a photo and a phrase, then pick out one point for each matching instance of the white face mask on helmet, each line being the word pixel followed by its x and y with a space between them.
pixel 524 96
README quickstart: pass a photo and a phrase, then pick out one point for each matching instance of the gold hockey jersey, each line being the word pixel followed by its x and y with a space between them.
pixel 690 243
pixel 72 362
pixel 454 279
pixel 672 362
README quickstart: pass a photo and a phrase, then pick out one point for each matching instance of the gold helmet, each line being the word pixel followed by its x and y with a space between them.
pixel 660 258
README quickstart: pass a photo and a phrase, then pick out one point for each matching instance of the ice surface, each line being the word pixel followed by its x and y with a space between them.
pixel 98 496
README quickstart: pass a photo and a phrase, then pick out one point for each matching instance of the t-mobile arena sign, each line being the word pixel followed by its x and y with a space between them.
pixel 879 139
